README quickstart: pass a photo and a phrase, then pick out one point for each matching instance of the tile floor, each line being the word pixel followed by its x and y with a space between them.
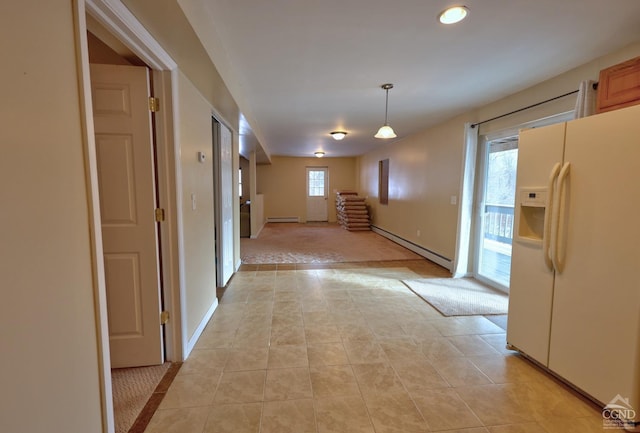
pixel 349 349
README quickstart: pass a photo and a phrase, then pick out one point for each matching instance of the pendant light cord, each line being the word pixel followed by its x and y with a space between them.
pixel 386 108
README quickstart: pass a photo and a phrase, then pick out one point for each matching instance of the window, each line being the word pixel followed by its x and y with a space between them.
pixel 316 183
pixel 240 182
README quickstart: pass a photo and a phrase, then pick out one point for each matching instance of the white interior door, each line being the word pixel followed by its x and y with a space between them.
pixel 224 204
pixel 317 193
pixel 124 149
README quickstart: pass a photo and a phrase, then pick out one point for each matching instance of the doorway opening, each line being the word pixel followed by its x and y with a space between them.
pixel 117 170
pixel 495 199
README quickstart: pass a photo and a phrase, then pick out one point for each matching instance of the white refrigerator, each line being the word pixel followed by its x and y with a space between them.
pixel 575 275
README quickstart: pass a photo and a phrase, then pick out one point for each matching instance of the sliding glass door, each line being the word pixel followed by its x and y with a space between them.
pixel 494 210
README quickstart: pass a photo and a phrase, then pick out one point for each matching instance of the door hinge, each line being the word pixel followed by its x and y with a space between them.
pixel 154 104
pixel 159 215
pixel 164 317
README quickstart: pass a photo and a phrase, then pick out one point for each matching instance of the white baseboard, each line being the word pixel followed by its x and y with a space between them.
pixel 290 219
pixel 198 332
pixel 427 254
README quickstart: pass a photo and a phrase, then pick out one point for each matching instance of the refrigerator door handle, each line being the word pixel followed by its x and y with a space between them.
pixel 557 230
pixel 546 236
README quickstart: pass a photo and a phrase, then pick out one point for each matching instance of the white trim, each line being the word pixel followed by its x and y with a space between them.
pixel 95 226
pixel 289 219
pixel 428 254
pixel 116 18
pixel 198 332
pixel 168 192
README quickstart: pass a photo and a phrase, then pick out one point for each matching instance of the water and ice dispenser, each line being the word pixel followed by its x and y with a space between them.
pixel 532 203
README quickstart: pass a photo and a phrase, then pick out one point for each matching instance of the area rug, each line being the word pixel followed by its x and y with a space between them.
pixel 319 243
pixel 459 296
pixel 132 388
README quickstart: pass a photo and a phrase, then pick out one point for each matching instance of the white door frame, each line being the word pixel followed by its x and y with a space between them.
pixel 116 18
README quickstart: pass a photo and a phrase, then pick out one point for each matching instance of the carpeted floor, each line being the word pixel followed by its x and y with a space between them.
pixel 319 243
pixel 132 388
pixel 460 296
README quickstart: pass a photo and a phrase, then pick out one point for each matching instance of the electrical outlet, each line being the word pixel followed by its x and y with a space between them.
pixel 418 233
pixel 454 199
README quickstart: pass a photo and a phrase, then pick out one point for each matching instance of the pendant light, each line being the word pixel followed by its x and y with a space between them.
pixel 385 130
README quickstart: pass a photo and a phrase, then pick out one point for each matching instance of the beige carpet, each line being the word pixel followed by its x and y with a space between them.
pixel 319 243
pixel 132 388
pixel 459 296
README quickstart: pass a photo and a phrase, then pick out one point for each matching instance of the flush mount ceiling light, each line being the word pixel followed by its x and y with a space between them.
pixel 453 15
pixel 385 130
pixel 338 135
pixel 319 154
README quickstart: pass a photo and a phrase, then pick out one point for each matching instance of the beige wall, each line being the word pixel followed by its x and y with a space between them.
pixel 198 225
pixel 425 169
pixel 424 172
pixel 165 20
pixel 49 364
pixel 283 184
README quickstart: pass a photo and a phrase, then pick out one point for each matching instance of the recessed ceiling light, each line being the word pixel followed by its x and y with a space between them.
pixel 454 15
pixel 338 135
pixel 319 154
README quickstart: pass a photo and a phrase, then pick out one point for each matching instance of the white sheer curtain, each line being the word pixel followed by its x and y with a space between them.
pixel 465 210
pixel 586 102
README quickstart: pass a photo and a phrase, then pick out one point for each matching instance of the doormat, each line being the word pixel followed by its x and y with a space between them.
pixel 459 296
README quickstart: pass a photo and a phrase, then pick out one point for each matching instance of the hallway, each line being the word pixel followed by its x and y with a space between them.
pixel 347 348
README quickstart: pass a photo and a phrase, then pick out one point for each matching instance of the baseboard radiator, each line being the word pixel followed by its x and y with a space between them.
pixel 283 219
pixel 427 254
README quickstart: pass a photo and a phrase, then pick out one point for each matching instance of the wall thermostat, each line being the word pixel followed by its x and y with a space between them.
pixel 201 157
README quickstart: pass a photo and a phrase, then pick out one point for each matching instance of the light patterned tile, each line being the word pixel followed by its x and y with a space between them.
pixel 443 409
pixel 472 345
pixel 394 413
pixel 315 334
pixel 287 336
pixel 497 404
pixel 191 390
pixel 187 420
pixel 333 381
pixel 378 378
pixel 293 416
pixel 234 418
pixel 342 415
pixel 508 369
pixel 327 354
pixel 364 351
pixel 460 371
pixel 287 356
pixel 241 387
pixel 288 384
pixel 418 375
pixel 247 359
pixel 204 361
pixel 520 428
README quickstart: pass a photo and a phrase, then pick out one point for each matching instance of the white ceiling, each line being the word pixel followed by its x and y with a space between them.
pixel 300 69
